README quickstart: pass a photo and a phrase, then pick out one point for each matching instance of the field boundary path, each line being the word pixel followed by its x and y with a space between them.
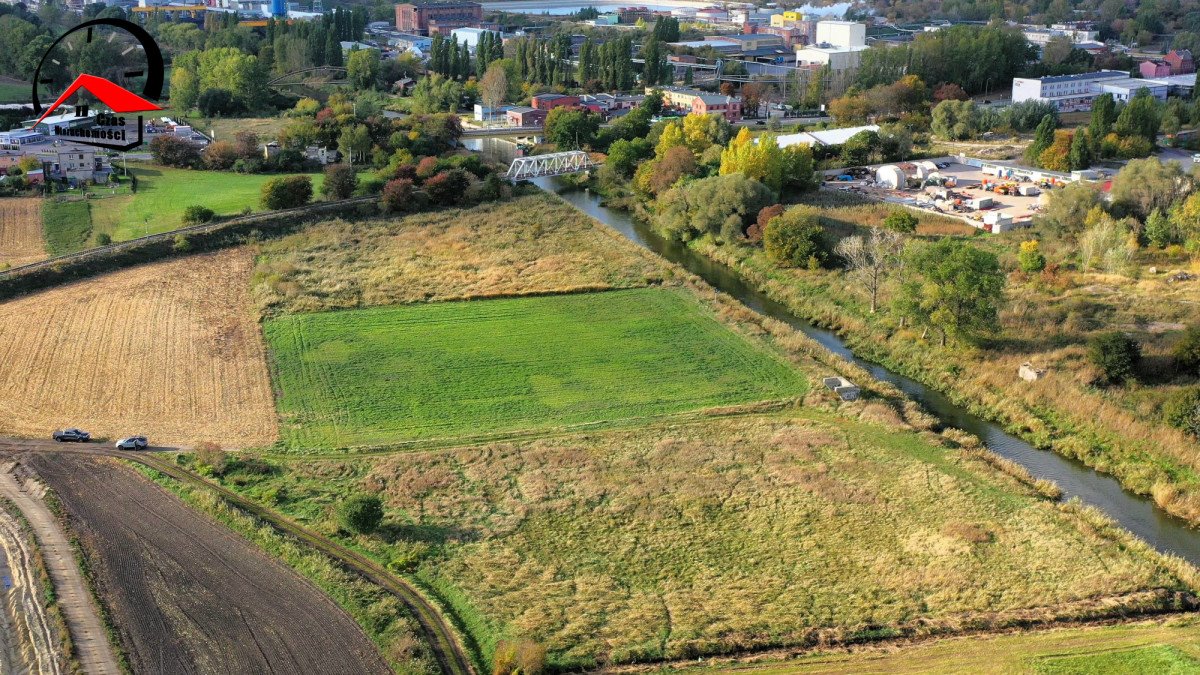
pixel 87 632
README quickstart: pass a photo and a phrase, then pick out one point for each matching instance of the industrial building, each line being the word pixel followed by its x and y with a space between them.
pixel 1067 93
pixel 426 17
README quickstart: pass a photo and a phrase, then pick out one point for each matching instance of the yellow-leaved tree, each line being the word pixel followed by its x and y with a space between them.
pixel 761 160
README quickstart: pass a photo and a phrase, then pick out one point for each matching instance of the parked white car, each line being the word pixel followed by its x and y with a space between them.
pixel 133 443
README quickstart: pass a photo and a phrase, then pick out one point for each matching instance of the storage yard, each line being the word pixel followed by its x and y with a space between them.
pixel 995 196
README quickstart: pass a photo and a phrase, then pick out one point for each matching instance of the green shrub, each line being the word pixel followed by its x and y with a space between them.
pixel 361 514
pixel 195 214
pixel 287 192
pixel 901 220
pixel 1116 355
pixel 1187 351
pixel 796 238
pixel 182 244
pixel 1182 410
pixel 103 239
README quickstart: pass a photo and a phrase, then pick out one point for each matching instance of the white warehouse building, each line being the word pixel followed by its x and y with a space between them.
pixel 1070 93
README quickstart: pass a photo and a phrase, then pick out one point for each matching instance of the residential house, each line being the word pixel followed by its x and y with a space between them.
pixel 76 163
pixel 683 99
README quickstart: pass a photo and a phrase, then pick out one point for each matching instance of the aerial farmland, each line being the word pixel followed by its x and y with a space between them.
pixel 582 456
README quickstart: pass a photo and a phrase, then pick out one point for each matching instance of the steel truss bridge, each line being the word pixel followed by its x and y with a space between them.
pixel 557 164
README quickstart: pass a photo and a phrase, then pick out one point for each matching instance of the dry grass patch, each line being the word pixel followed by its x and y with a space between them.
pixel 678 540
pixel 535 244
pixel 170 350
pixel 21 231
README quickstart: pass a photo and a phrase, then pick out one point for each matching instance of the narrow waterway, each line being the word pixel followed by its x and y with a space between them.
pixel 1137 514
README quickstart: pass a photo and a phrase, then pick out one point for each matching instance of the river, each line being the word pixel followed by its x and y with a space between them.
pixel 1135 513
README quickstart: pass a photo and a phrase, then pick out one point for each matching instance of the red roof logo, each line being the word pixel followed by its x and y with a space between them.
pixel 119 99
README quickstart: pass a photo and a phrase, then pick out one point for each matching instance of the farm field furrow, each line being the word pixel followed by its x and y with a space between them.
pixel 21 231
pixel 187 595
pixel 445 370
pixel 170 350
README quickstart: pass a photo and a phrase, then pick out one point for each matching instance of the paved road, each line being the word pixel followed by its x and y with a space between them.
pixel 87 632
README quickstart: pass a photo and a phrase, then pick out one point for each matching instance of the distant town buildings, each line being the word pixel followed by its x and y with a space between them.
pixel 426 17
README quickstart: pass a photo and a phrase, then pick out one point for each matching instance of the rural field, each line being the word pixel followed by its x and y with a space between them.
pixel 66 225
pixel 170 350
pixel 532 244
pixel 1142 648
pixel 21 231
pixel 14 91
pixel 677 540
pixel 163 194
pixel 186 594
pixel 447 370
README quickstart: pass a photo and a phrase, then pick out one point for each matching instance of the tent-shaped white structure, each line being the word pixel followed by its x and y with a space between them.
pixel 891 176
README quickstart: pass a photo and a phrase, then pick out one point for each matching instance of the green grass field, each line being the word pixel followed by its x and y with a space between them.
pixel 14 92
pixel 164 193
pixel 376 376
pixel 67 226
pixel 1153 660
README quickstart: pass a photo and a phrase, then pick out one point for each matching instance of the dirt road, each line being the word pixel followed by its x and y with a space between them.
pixel 187 595
pixel 87 632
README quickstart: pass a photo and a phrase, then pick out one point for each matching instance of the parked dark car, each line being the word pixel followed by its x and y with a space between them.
pixel 133 443
pixel 72 436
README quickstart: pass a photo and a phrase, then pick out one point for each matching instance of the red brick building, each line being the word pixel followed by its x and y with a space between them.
pixel 552 101
pixel 425 17
pixel 523 116
pixel 1181 61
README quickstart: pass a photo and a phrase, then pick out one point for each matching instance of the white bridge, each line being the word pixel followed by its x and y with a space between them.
pixel 557 164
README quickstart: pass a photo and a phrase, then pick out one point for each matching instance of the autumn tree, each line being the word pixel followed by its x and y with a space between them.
pixel 754 233
pixel 871 259
pixel 494 86
pixel 1043 138
pixel 761 160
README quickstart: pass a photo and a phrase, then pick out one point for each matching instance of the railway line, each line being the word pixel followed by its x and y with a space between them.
pixel 444 640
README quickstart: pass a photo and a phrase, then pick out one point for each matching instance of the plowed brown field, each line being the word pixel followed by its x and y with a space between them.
pixel 21 231
pixel 170 350
pixel 189 596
